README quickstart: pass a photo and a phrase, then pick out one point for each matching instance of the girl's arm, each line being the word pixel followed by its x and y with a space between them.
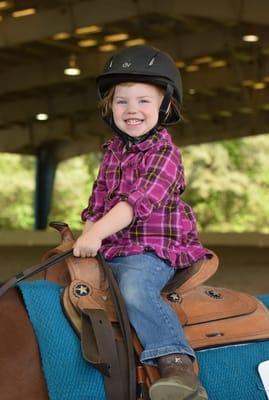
pixel 116 219
pixel 87 226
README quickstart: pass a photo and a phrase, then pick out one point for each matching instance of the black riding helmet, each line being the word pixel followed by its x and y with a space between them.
pixel 146 64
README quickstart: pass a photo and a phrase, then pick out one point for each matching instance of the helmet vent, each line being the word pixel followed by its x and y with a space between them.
pixel 152 61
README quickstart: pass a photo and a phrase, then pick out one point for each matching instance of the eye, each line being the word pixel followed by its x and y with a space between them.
pixel 144 101
pixel 121 102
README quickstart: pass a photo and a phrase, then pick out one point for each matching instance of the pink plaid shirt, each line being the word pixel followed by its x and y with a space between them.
pixel 150 177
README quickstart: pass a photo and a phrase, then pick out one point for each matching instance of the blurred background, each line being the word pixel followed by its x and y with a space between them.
pixel 51 132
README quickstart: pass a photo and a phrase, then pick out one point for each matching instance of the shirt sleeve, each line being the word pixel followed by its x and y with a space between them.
pixel 164 174
pixel 95 209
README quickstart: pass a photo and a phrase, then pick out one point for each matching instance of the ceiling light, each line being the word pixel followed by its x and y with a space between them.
pixel 218 64
pixel 203 60
pixel 23 13
pixel 180 64
pixel 87 43
pixel 134 42
pixel 248 83
pixel 224 113
pixel 245 110
pixel 192 68
pixel 61 36
pixel 42 116
pixel 107 47
pixel 4 5
pixel 265 107
pixel 88 29
pixel 117 37
pixel 72 69
pixel 250 38
pixel 191 91
pixel 259 85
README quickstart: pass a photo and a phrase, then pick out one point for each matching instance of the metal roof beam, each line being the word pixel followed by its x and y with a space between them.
pixel 51 73
pixel 84 101
pixel 45 23
pixel 72 138
pixel 236 11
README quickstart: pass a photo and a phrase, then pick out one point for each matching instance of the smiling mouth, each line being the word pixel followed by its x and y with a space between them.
pixel 133 121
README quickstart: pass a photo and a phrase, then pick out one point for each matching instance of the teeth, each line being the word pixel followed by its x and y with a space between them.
pixel 133 121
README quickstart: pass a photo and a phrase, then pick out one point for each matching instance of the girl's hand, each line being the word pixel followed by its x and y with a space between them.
pixel 90 241
pixel 87 245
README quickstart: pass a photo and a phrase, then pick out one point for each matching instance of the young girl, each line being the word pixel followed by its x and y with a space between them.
pixel 135 216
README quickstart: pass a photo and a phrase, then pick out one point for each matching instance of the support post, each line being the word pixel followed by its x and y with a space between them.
pixel 46 166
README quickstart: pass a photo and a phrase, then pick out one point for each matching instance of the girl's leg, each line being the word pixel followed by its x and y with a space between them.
pixel 141 279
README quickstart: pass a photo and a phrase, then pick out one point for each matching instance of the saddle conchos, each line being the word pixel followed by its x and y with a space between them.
pixel 211 316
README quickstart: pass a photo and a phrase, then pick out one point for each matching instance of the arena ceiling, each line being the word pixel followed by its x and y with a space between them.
pixel 226 79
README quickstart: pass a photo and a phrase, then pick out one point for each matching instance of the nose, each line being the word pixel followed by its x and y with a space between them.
pixel 131 108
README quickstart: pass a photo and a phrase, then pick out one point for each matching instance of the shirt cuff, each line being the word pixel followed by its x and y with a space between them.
pixel 87 215
pixel 142 206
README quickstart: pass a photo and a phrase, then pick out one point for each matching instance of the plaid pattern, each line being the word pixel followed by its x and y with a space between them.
pixel 150 177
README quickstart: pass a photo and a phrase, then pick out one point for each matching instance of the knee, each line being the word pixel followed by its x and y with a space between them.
pixel 132 292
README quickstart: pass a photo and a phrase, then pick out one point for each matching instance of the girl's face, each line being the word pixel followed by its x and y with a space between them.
pixel 135 107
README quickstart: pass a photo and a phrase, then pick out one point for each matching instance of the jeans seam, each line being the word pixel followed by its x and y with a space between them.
pixel 160 304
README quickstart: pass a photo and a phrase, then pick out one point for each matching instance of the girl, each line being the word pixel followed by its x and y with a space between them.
pixel 135 216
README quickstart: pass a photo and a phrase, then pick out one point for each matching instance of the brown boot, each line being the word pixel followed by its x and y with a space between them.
pixel 178 380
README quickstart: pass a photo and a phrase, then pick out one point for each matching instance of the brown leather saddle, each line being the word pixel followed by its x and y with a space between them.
pixel 210 316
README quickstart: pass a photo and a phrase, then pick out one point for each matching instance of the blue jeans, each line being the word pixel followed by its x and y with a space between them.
pixel 141 278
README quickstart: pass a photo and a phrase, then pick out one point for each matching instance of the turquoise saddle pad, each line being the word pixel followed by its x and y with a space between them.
pixel 228 373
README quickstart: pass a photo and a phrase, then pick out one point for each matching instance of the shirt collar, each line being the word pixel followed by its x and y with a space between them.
pixel 116 144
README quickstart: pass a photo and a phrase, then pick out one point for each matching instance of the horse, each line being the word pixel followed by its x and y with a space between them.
pixel 21 374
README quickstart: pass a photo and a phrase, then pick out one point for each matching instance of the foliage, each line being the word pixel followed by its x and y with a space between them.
pixel 228 182
pixel 17 187
pixel 227 185
pixel 73 185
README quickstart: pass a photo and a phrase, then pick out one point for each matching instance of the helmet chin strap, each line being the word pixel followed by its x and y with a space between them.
pixel 129 140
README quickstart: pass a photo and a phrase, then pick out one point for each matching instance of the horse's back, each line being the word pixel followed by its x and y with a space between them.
pixel 20 370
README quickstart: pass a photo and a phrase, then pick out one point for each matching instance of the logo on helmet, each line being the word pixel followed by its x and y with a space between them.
pixel 126 65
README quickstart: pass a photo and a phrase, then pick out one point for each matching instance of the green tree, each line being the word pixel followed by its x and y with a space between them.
pixel 73 185
pixel 227 184
pixel 17 188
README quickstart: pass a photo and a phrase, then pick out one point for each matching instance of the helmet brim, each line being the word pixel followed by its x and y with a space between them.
pixel 106 81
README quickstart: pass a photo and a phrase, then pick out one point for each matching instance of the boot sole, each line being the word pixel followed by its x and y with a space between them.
pixel 172 391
